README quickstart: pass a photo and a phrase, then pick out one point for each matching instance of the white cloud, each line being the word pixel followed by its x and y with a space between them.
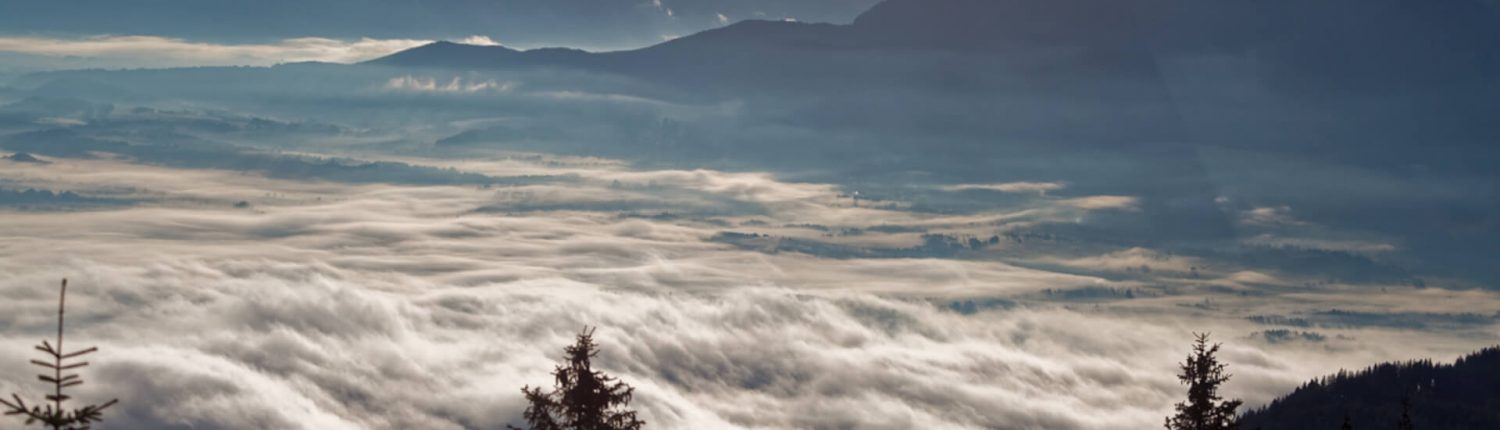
pixel 153 51
pixel 1011 187
pixel 479 40
pixel 1102 202
pixel 1279 228
pixel 61 122
pixel 1269 216
pixel 453 85
pixel 663 8
pixel 1130 259
pixel 385 307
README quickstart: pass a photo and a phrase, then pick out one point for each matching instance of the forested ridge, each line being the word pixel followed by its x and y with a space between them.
pixel 1462 395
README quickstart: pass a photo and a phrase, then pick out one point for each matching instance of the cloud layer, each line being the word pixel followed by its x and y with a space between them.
pixel 154 51
pixel 327 305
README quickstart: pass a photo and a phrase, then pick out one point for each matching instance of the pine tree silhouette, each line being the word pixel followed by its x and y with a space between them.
pixel 582 398
pixel 1204 409
pixel 1405 422
pixel 54 415
pixel 1348 423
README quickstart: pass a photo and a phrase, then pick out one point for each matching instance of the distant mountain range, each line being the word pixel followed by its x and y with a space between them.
pixel 1464 395
pixel 1332 45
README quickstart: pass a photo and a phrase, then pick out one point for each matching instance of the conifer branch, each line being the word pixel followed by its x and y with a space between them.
pixel 54 415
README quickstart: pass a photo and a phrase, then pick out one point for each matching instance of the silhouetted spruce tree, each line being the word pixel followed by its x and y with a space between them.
pixel 582 398
pixel 1204 409
pixel 1404 423
pixel 1348 423
pixel 54 415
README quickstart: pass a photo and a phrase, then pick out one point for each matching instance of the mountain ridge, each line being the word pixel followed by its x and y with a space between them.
pixel 1334 46
pixel 1457 396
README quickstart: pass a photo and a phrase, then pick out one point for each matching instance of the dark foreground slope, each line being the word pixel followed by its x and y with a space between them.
pixel 1464 395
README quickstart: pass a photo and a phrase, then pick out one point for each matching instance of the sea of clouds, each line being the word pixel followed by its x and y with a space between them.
pixel 326 305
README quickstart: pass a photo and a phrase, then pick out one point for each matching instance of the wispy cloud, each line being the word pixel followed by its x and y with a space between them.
pixel 1326 244
pixel 479 40
pixel 663 8
pixel 1103 202
pixel 1270 216
pixel 147 51
pixel 1010 187
pixel 454 85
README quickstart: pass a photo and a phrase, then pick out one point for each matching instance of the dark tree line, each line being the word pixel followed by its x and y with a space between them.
pixel 1414 395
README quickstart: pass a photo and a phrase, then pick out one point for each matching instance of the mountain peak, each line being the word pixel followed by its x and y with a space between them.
pixel 449 54
pixel 22 157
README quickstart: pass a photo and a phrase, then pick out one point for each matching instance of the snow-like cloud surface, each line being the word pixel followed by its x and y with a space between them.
pixel 327 306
